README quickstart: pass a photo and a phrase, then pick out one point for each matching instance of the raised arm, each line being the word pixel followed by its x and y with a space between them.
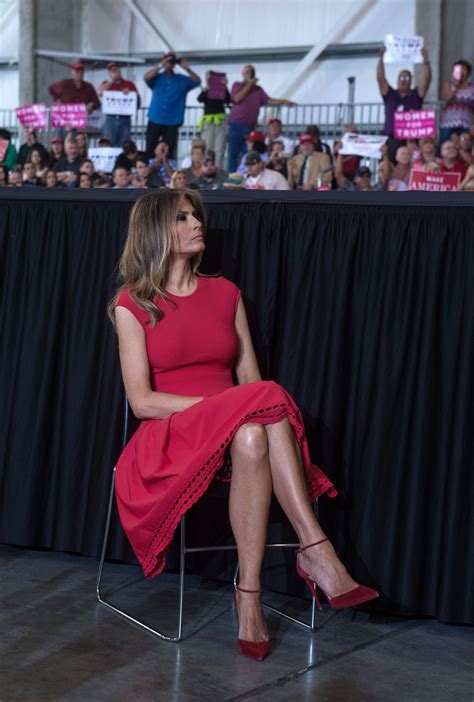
pixel 149 75
pixel 186 67
pixel 246 367
pixel 424 84
pixel 145 402
pixel 381 80
pixel 245 90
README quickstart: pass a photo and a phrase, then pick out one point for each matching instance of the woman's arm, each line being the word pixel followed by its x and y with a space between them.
pixel 246 367
pixel 145 402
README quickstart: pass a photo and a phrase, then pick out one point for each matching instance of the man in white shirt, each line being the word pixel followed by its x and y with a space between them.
pixel 260 178
pixel 274 134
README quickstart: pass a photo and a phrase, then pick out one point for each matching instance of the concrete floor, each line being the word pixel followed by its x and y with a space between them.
pixel 57 643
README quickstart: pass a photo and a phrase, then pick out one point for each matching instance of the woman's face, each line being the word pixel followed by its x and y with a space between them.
pixel 51 179
pixel 180 181
pixel 84 181
pixel 35 158
pixel 87 167
pixel 189 236
pixel 81 140
pixel 403 155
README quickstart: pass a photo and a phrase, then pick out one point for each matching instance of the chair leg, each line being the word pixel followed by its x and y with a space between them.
pixel 121 612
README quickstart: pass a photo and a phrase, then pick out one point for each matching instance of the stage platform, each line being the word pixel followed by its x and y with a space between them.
pixel 361 306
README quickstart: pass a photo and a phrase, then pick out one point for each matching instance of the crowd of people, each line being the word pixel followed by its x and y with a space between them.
pixel 257 158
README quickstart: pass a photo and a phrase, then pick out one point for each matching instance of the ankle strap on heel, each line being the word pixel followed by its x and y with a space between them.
pixel 241 589
pixel 316 543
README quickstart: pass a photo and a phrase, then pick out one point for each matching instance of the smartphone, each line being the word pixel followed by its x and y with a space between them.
pixel 252 72
pixel 457 72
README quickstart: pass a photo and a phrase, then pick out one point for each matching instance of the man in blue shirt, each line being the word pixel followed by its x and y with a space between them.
pixel 168 100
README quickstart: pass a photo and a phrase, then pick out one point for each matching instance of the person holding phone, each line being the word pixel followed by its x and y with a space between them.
pixel 247 99
pixel 458 95
pixel 168 100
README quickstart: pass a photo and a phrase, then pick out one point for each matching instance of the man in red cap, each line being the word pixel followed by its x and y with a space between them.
pixel 75 89
pixel 117 127
pixel 247 99
pixel 168 100
pixel 310 168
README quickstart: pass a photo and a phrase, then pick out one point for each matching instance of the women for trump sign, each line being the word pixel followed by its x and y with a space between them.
pixel 32 116
pixel 415 124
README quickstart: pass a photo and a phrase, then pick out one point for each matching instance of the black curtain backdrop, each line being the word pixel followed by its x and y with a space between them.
pixel 361 305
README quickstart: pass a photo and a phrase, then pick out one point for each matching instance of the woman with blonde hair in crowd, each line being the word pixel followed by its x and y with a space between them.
pixel 179 179
pixel 182 336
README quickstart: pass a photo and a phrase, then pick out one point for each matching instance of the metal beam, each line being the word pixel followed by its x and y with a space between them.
pixel 352 17
pixel 89 57
pixel 146 22
pixel 268 54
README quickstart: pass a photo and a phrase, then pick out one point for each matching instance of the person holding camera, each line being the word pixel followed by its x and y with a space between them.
pixel 247 99
pixel 168 100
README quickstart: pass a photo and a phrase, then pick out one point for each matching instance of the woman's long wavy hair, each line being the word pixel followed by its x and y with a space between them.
pixel 145 261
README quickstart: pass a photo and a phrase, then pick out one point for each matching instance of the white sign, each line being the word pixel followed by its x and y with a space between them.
pixel 400 49
pixel 114 102
pixel 95 119
pixel 104 158
pixel 367 145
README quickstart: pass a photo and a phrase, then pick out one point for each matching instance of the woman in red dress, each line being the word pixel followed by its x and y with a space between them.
pixel 180 337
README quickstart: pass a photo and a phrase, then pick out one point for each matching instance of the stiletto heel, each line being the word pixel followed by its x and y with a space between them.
pixel 356 596
pixel 258 650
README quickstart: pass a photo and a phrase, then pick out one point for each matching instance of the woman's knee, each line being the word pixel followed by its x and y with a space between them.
pixel 250 443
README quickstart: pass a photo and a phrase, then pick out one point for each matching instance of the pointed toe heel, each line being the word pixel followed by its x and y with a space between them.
pixel 352 598
pixel 258 650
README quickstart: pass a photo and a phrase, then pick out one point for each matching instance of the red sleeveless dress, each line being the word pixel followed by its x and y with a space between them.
pixel 169 463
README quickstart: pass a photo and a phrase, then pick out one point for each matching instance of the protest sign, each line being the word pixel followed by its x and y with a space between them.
pixel 217 86
pixel 69 115
pixel 32 116
pixel 104 158
pixel 114 102
pixel 367 145
pixel 4 144
pixel 415 124
pixel 433 181
pixel 95 119
pixel 399 49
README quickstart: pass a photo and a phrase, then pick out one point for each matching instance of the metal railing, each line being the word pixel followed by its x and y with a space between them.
pixel 331 119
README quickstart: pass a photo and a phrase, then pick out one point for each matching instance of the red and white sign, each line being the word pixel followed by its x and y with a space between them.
pixel 415 124
pixel 69 115
pixel 32 116
pixel 433 181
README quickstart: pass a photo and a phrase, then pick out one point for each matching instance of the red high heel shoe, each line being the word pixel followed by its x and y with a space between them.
pixel 258 650
pixel 353 597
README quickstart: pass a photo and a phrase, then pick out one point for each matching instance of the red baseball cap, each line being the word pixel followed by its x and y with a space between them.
pixel 112 64
pixel 272 120
pixel 168 55
pixel 306 139
pixel 255 136
pixel 57 140
pixel 78 66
